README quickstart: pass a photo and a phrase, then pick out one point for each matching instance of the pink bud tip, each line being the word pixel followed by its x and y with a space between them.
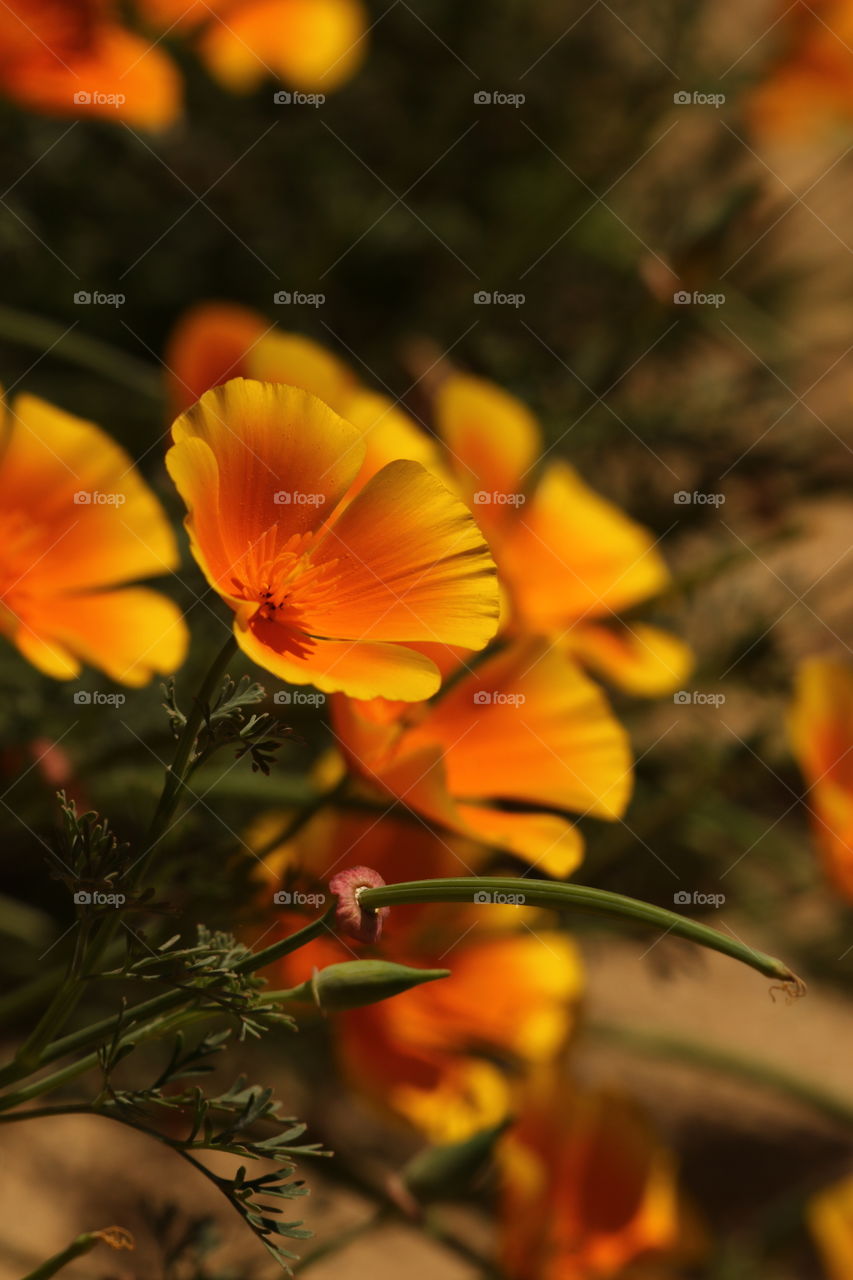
pixel 354 919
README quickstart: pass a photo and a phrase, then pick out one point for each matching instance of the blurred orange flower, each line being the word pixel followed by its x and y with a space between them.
pixel 588 1189
pixel 439 1055
pixel 830 1219
pixel 821 731
pixel 313 45
pixel 74 57
pixel 501 756
pixel 78 522
pixel 321 594
pixel 809 88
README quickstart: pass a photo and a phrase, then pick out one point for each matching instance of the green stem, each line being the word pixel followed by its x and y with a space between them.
pixel 708 1058
pixel 27 330
pixel 77 1248
pixel 558 896
pixel 148 1013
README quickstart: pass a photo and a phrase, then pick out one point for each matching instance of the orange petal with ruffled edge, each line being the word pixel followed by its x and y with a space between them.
pixel 76 514
pixel 301 362
pixel 410 565
pixel 257 464
pixel 313 45
pixel 571 554
pixel 210 344
pixel 131 634
pixel 528 725
pixel 640 659
pixel 493 441
pixel 103 71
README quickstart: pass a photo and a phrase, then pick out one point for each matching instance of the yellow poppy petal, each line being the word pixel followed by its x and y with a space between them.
pixel 362 670
pixel 389 434
pixel 830 1220
pixel 493 438
pixel 643 660
pixel 313 45
pixel 571 554
pixel 131 634
pixel 76 513
pixel 300 362
pixel 411 565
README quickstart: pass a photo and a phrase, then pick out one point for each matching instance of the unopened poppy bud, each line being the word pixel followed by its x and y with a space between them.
pixel 445 1171
pixel 358 921
pixel 355 983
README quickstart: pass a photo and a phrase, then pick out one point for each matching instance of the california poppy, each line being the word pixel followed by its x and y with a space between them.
pixel 830 1219
pixel 821 731
pixel 808 89
pixel 78 524
pixel 325 593
pixel 75 57
pixel 508 750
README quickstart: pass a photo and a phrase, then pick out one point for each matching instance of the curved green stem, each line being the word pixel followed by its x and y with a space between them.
pixel 575 897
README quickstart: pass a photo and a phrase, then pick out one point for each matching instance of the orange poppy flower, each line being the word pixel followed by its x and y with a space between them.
pixel 73 57
pixel 321 594
pixel 439 1055
pixel 78 523
pixel 809 89
pixel 830 1220
pixel 821 732
pixel 588 1189
pixel 313 45
pixel 506 751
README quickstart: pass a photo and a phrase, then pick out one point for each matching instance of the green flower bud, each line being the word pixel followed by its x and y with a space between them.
pixel 355 983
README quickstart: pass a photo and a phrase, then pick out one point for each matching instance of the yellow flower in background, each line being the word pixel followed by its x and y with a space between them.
pixel 830 1219
pixel 76 58
pixel 820 726
pixel 507 751
pixel 312 45
pixel 808 90
pixel 440 1055
pixel 325 593
pixel 588 1190
pixel 78 523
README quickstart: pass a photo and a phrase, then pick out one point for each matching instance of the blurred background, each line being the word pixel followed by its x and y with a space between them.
pixel 585 209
